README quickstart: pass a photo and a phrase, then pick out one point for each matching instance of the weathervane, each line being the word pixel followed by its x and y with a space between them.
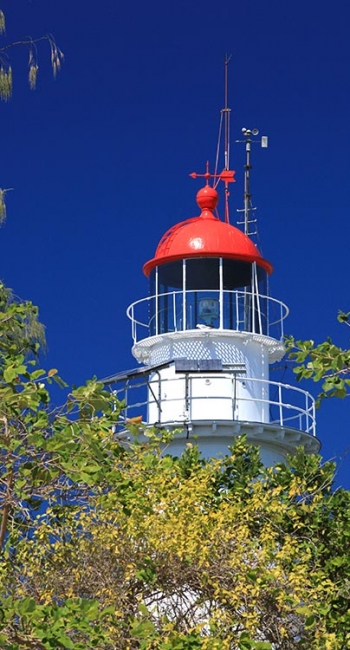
pixel 226 175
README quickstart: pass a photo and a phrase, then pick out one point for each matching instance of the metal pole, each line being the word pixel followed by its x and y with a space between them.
pixel 237 312
pixel 227 112
pixel 252 307
pixel 307 413
pixel 257 297
pixel 133 324
pixel 221 293
pixel 280 404
pixel 282 323
pixel 156 314
pixel 159 397
pixel 247 195
pixel 184 294
pixel 174 311
pixel 247 200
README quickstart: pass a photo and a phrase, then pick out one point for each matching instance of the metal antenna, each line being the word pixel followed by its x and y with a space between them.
pixel 227 112
pixel 227 119
pixel 248 206
pixel 226 175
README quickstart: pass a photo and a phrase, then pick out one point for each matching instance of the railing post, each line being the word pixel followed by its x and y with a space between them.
pixel 281 321
pixel 174 311
pixel 221 294
pixel 306 412
pixel 156 305
pixel 126 400
pixel 237 311
pixel 253 302
pixel 184 295
pixel 280 403
pixel 257 297
pixel 134 334
pixel 159 397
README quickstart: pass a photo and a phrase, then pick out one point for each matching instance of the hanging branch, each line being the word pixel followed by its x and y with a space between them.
pixel 5 65
pixel 3 193
pixel 6 82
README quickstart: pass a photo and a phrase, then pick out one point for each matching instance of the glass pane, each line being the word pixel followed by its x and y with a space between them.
pixel 237 274
pixel 202 309
pixel 202 273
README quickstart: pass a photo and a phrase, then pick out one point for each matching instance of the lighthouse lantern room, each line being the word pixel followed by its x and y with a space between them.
pixel 206 336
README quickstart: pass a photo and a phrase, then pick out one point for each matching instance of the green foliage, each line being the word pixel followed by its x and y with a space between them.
pixel 21 331
pixel 49 459
pixel 5 89
pixel 187 560
pixel 56 56
pixel 120 546
pixel 325 362
pixel 2 191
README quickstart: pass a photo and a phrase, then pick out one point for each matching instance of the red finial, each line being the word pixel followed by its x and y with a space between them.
pixel 207 198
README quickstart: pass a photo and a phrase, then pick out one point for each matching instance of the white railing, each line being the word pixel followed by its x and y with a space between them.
pixel 178 311
pixel 282 404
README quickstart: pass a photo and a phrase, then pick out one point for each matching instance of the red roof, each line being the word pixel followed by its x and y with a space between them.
pixel 205 236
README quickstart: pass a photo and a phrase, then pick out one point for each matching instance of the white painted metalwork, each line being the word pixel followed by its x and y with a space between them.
pixel 184 310
pixel 157 292
pixel 221 299
pixel 146 315
pixel 182 395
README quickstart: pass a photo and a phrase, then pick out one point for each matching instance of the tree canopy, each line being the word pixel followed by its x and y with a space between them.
pixel 324 362
pixel 110 543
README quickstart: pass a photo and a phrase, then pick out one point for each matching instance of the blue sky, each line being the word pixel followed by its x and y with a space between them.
pixel 99 161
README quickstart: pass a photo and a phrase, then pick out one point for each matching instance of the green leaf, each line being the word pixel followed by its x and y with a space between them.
pixel 343 317
pixel 59 381
pixel 143 629
pixel 66 641
pixel 26 606
pixel 36 374
pixel 10 374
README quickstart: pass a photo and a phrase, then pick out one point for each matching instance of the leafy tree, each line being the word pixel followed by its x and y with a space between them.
pixel 50 457
pixel 324 362
pixel 115 545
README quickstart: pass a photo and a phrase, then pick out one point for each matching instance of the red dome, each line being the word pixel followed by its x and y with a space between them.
pixel 205 236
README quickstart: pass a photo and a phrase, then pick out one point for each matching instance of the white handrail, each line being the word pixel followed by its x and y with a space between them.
pixel 287 410
pixel 141 322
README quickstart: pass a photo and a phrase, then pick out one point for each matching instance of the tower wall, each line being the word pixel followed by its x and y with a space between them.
pixel 242 393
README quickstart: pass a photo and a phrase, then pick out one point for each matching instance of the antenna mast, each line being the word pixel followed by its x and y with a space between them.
pixel 227 119
pixel 226 175
pixel 248 206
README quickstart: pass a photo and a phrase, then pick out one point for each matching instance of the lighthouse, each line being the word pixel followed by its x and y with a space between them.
pixel 207 334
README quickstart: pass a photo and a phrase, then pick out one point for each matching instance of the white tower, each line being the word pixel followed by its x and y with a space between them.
pixel 206 336
pixel 208 332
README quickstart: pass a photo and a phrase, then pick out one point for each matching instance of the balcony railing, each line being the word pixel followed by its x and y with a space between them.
pixel 236 398
pixel 177 311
